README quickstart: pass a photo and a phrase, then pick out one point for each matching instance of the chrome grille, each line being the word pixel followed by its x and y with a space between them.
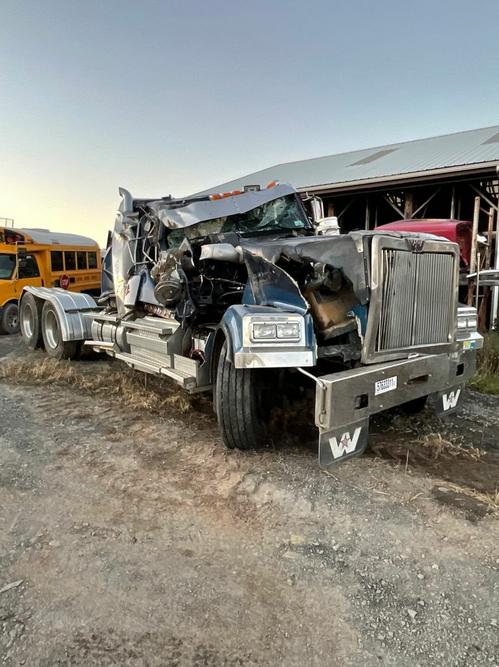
pixel 417 294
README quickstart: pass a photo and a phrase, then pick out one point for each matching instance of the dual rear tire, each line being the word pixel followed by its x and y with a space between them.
pixel 41 327
pixel 30 320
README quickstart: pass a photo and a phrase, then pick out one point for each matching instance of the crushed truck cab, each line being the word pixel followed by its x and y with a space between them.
pixel 240 294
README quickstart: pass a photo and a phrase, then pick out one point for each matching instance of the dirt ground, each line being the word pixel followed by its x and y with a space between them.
pixel 130 536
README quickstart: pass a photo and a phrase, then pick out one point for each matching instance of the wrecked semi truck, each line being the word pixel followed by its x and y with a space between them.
pixel 237 294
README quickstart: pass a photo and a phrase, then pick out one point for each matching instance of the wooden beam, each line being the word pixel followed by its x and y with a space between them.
pixel 426 202
pixel 489 201
pixel 485 305
pixel 396 208
pixel 408 205
pixel 344 209
pixel 494 309
pixel 476 216
pixel 490 232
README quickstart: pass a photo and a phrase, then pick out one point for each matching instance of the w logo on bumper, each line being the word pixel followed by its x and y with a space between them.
pixel 449 401
pixel 346 444
pixel 343 442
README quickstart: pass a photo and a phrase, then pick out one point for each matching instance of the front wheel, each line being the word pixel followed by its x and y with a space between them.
pixel 52 335
pixel 9 319
pixel 240 404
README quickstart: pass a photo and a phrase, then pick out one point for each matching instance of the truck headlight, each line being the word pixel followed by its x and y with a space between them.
pixel 289 330
pixel 467 322
pixel 263 331
pixel 280 329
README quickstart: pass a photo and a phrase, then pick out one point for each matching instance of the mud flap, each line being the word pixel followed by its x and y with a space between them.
pixel 342 443
pixel 448 400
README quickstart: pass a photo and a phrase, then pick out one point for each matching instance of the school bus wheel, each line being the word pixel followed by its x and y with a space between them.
pixel 30 319
pixel 52 335
pixel 9 319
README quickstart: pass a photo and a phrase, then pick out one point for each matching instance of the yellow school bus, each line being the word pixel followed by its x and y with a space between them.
pixel 44 259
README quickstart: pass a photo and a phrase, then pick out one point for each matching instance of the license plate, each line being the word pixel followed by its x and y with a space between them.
pixel 387 384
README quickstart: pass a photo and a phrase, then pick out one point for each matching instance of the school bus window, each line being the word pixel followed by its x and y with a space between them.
pixel 28 268
pixel 7 266
pixel 56 260
pixel 81 260
pixel 69 261
pixel 92 260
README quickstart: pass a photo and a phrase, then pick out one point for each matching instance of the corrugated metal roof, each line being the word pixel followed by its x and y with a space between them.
pixel 446 151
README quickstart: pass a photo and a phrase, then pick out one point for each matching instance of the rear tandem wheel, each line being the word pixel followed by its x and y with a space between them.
pixel 52 335
pixel 30 318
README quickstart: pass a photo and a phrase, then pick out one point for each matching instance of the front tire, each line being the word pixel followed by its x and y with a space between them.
pixel 9 320
pixel 52 335
pixel 240 404
pixel 30 317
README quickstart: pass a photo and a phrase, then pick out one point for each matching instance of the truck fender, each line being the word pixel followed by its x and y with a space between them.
pixel 71 307
pixel 232 327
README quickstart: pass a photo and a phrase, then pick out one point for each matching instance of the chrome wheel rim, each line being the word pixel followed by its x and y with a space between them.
pixel 51 330
pixel 27 320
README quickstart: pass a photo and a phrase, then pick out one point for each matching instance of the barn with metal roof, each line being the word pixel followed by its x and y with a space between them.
pixel 437 177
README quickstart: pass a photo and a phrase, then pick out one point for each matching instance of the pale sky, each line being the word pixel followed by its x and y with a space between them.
pixel 173 97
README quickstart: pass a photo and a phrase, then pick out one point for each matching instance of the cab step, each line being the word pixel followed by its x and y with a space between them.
pixel 181 376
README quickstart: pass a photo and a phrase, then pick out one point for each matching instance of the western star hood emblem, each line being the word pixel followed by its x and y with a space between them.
pixel 415 245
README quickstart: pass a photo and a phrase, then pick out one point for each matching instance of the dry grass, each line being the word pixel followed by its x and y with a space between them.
pixel 426 451
pixel 489 499
pixel 131 388
pixel 439 448
pixel 464 470
pixel 486 378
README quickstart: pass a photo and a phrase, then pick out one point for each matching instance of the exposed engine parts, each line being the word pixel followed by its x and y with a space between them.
pixel 169 284
pixel 197 269
pixel 159 311
pixel 169 289
pixel 331 300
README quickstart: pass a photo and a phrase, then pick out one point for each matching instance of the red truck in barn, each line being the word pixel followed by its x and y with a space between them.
pixel 458 231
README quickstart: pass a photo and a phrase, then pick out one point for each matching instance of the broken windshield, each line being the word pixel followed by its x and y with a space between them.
pixel 283 213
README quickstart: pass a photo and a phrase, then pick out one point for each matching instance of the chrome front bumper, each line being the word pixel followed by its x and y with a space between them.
pixel 344 401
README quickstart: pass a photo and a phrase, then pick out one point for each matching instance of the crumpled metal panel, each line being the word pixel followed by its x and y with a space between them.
pixel 72 309
pixel 346 252
pixel 200 211
pixel 342 252
pixel 272 286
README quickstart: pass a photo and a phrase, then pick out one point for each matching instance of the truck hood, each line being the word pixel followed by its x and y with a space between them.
pixel 349 253
pixel 341 252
